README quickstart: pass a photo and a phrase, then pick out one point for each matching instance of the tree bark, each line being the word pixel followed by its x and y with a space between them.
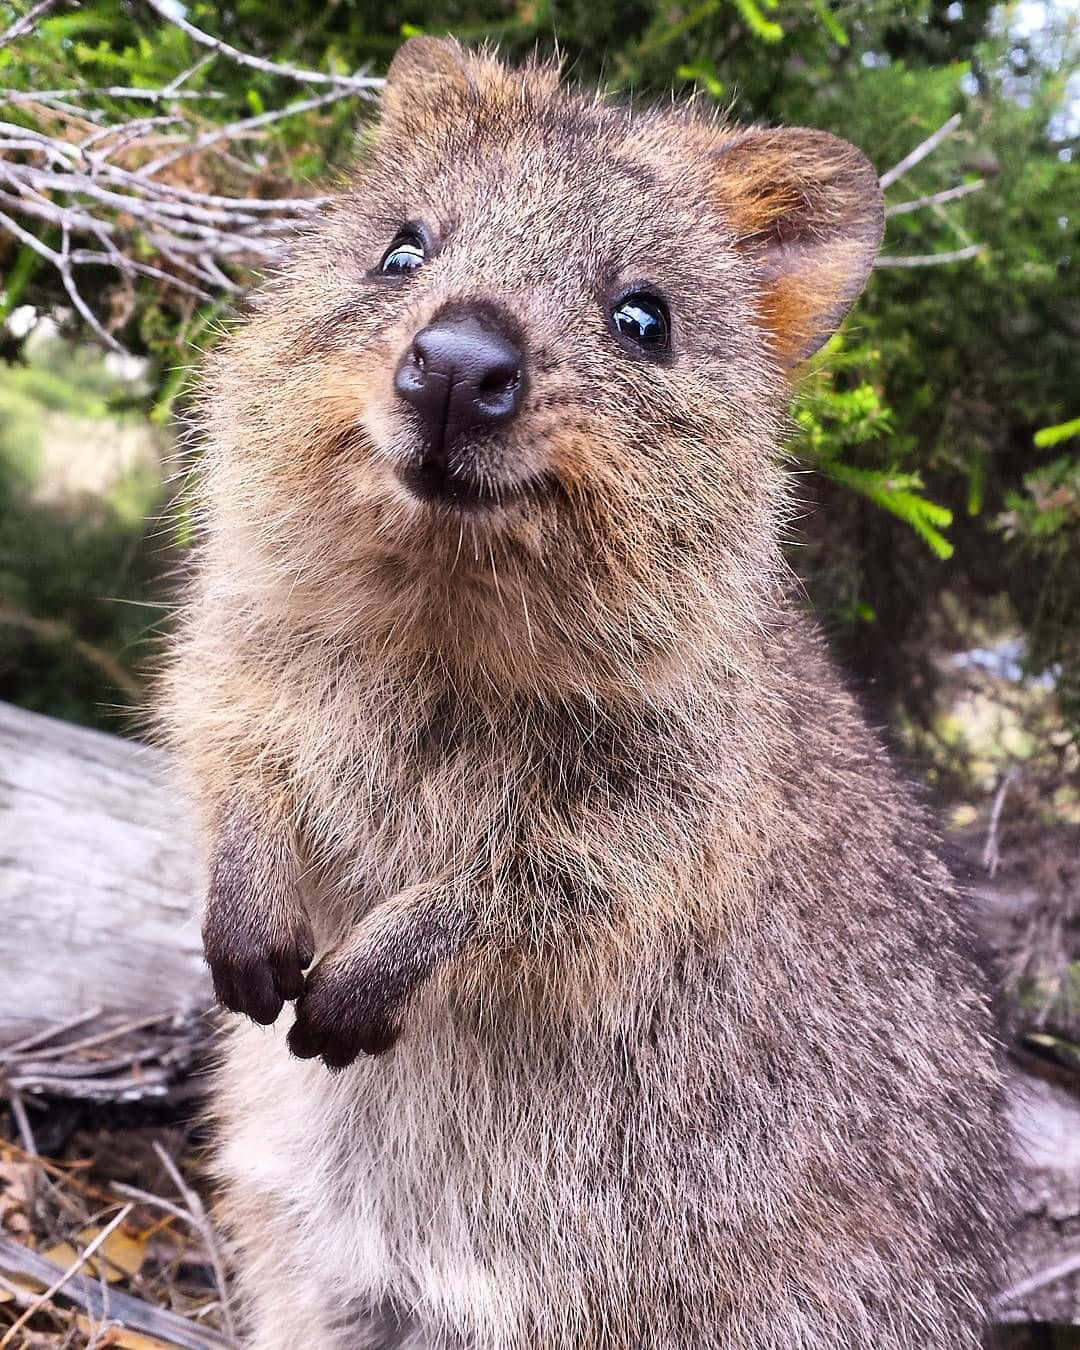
pixel 99 880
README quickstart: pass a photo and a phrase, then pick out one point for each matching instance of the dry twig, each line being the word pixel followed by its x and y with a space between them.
pixel 58 1284
pixel 100 185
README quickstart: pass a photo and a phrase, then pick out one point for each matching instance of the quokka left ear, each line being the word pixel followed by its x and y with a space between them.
pixel 808 207
pixel 424 68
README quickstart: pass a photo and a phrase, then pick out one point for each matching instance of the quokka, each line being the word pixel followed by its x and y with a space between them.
pixel 647 999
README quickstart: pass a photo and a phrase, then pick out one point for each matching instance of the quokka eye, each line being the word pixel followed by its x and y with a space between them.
pixel 404 255
pixel 642 320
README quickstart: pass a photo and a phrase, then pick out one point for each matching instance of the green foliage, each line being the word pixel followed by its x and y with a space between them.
pixel 843 423
pixel 935 431
pixel 79 569
pixel 1042 526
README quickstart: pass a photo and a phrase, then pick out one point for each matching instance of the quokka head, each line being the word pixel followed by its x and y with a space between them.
pixel 515 399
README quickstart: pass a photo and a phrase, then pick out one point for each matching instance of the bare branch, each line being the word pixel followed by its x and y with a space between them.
pixel 72 1270
pixel 363 85
pixel 247 124
pixel 198 1216
pixel 991 858
pixel 931 259
pixel 166 95
pixel 918 154
pixel 1016 1293
pixel 936 198
pixel 28 21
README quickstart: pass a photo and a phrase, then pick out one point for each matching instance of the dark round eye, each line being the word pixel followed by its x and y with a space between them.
pixel 405 254
pixel 643 320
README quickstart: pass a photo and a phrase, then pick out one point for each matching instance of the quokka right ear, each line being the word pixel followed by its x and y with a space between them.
pixel 808 208
pixel 424 67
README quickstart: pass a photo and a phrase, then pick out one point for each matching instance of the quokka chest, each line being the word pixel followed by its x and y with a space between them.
pixel 415 787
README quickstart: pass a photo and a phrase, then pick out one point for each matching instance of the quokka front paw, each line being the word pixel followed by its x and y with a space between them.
pixel 256 935
pixel 256 966
pixel 347 1008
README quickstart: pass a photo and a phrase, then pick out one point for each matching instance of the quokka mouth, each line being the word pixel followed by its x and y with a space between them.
pixel 439 485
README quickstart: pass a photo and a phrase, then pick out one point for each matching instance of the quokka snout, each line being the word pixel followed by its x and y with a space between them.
pixel 648 1002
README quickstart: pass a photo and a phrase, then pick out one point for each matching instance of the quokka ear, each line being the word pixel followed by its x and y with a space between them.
pixel 423 66
pixel 808 207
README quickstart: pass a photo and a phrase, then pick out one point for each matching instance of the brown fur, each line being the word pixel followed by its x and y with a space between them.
pixel 687 1052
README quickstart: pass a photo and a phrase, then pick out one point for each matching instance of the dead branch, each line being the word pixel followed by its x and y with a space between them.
pixel 99 183
pixel 359 83
pixel 936 198
pixel 933 200
pixel 920 152
pixel 50 1293
pixel 27 23
pixel 19 1263
pixel 197 1215
pixel 930 259
pixel 101 186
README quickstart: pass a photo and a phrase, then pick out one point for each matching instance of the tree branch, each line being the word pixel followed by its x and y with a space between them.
pixel 931 259
pixel 28 21
pixel 363 85
pixel 920 152
pixel 936 198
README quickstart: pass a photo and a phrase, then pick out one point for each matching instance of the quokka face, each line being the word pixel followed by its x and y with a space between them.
pixel 539 350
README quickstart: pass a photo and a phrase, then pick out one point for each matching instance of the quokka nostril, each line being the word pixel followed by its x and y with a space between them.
pixel 499 381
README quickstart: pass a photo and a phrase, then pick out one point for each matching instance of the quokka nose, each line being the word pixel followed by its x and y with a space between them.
pixel 458 375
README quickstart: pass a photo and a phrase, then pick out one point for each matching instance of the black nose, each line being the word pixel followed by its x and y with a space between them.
pixel 458 375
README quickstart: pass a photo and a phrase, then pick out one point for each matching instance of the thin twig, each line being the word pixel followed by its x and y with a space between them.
pixel 206 1229
pixel 50 1033
pixel 22 1120
pixel 72 1270
pixel 26 23
pixel 108 91
pixel 930 259
pixel 915 156
pixel 936 198
pixel 1016 1293
pixel 102 1037
pixel 247 124
pixel 126 1309
pixel 364 85
pixel 991 858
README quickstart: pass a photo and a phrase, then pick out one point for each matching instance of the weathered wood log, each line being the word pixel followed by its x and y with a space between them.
pixel 98 901
pixel 98 881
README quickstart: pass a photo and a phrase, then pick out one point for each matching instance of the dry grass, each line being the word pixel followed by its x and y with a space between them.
pixel 105 1239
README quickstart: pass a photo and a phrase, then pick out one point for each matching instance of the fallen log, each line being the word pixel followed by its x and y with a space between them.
pixel 103 980
pixel 98 882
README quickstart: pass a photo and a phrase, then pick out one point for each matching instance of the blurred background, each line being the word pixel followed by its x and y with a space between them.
pixel 936 440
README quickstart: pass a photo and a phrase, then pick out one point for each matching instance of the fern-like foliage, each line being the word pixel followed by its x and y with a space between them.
pixel 846 429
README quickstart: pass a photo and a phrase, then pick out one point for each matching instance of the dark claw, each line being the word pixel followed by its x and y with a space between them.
pixel 256 982
pixel 334 1023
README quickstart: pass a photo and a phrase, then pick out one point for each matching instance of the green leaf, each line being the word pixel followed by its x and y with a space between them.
pixel 27 261
pixel 758 24
pixel 1064 431
pixel 832 24
pixel 704 74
